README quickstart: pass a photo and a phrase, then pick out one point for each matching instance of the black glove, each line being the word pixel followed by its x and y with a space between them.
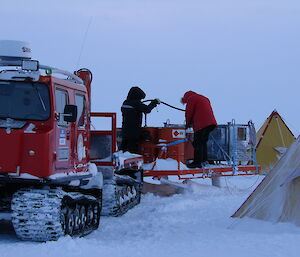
pixel 156 101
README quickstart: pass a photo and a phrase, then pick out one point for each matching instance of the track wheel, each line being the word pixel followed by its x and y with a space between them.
pixel 120 198
pixel 90 214
pixel 63 217
pixel 70 223
pixel 133 192
pixel 128 193
pixel 82 218
pixel 77 221
pixel 97 213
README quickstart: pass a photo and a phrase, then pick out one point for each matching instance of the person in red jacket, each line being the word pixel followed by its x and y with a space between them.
pixel 199 115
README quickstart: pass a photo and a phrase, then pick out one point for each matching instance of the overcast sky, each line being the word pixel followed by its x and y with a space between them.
pixel 242 54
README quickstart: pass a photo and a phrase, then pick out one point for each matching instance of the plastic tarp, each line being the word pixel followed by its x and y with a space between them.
pixel 277 198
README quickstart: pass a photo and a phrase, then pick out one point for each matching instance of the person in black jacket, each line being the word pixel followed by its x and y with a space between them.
pixel 132 114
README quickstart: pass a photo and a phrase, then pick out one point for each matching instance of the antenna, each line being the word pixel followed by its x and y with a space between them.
pixel 83 42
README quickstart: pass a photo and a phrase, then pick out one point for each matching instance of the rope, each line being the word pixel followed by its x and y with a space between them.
pixel 171 106
pixel 244 188
pixel 145 120
pixel 224 152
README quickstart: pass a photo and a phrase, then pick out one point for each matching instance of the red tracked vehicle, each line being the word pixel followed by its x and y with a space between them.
pixel 47 180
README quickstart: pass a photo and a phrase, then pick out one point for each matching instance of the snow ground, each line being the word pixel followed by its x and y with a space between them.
pixel 197 223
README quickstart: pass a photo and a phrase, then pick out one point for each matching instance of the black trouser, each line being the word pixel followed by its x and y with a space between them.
pixel 130 144
pixel 200 143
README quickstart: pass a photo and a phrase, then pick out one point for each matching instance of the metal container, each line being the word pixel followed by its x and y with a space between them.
pixel 218 144
pixel 169 134
pixel 234 143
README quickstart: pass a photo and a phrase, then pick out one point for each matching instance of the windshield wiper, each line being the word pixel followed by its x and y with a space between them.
pixel 39 95
pixel 10 123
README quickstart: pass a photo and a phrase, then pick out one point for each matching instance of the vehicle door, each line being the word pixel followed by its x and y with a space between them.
pixel 81 134
pixel 63 131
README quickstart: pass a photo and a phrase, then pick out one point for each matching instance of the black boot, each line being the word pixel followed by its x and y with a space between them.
pixel 197 162
pixel 194 165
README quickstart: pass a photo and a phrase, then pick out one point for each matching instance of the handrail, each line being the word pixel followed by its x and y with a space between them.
pixel 62 72
pixel 18 63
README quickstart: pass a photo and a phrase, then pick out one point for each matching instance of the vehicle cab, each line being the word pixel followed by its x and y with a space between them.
pixel 44 119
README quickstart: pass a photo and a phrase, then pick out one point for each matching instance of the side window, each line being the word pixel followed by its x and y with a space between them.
pixel 61 98
pixel 242 134
pixel 80 102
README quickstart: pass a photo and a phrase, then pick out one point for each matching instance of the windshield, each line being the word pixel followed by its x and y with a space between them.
pixel 24 101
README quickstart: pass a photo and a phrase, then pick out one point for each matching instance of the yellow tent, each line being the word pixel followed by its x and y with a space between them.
pixel 273 138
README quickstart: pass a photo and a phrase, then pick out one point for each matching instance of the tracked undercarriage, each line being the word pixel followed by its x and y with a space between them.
pixel 47 214
pixel 121 193
pixel 120 198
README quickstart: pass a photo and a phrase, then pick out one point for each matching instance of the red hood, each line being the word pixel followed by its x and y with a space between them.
pixel 187 95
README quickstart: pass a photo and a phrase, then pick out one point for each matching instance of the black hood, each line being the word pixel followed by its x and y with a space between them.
pixel 135 93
